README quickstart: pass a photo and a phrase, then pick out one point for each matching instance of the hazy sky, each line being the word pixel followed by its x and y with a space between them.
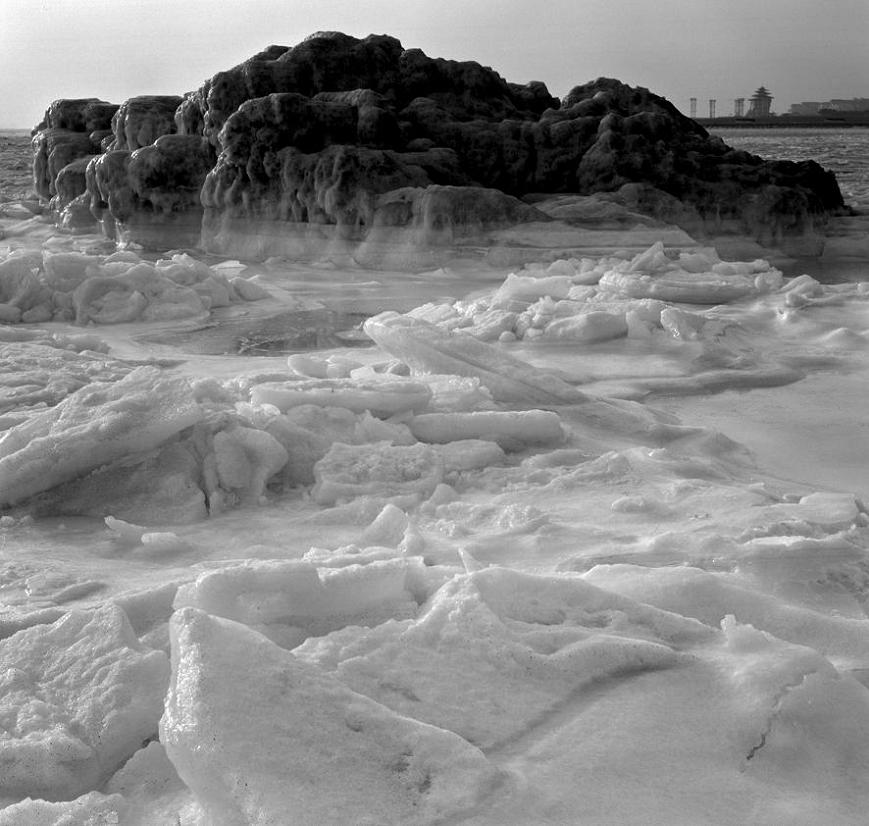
pixel 115 49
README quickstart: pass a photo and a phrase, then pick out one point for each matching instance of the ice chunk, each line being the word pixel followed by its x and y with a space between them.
pixel 248 290
pixel 79 697
pixel 512 430
pixel 258 735
pixel 681 324
pixel 531 288
pixel 388 528
pixel 470 454
pixel 94 426
pixel 381 469
pixel 653 274
pixel 428 349
pixel 383 397
pixel 141 291
pixel 64 271
pixel 247 459
pixel 162 488
pixel 289 600
pixel 587 327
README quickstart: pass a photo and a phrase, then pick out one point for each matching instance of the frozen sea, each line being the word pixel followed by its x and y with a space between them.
pixel 579 541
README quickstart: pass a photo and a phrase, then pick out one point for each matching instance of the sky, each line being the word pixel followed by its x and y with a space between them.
pixel 723 49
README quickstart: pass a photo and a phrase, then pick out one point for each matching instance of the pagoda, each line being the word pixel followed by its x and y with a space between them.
pixel 761 101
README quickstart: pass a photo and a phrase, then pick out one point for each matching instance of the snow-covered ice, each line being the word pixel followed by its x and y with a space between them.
pixel 582 541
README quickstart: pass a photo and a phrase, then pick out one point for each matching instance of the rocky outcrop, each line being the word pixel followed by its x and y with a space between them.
pixel 152 195
pixel 339 138
pixel 141 120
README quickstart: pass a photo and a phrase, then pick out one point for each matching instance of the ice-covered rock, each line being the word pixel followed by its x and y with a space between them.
pixel 347 141
pixel 94 426
pixel 70 129
pixel 79 697
pixel 139 121
pixel 151 196
pixel 301 748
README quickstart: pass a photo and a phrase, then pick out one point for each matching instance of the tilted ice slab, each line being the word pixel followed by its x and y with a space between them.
pixel 262 738
pixel 94 426
pixel 429 349
pixel 79 697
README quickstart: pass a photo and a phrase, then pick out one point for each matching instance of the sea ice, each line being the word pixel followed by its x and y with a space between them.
pixel 380 470
pixel 94 426
pixel 512 430
pixel 290 600
pixel 301 747
pixel 79 697
pixel 495 650
pixel 91 809
pixel 428 349
pixel 382 397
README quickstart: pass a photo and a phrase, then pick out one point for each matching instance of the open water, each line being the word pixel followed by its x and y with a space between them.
pixel 844 152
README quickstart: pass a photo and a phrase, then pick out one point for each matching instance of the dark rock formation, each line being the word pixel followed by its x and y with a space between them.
pixel 69 130
pixel 152 194
pixel 339 139
pixel 141 120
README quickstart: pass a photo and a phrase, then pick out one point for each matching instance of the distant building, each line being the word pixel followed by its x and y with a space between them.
pixel 852 105
pixel 761 101
pixel 739 107
pixel 807 107
pixel 813 107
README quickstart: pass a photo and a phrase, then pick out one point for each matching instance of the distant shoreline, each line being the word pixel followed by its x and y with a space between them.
pixel 856 119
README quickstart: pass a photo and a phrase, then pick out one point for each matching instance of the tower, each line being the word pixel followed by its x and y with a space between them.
pixel 738 107
pixel 711 108
pixel 693 102
pixel 760 103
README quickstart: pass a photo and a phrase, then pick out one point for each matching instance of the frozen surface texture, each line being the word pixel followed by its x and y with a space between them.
pixel 79 697
pixel 361 143
pixel 92 427
pixel 113 289
pixel 548 539
pixel 386 768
